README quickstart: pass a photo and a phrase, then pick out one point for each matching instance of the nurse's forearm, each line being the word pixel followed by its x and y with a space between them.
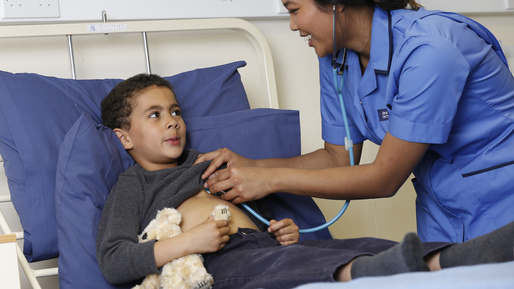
pixel 358 182
pixel 328 157
pixel 314 160
pixel 394 163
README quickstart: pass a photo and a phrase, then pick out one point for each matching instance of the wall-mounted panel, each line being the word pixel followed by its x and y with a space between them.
pixel 91 10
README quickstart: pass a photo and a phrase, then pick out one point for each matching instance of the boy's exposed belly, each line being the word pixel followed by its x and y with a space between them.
pixel 197 209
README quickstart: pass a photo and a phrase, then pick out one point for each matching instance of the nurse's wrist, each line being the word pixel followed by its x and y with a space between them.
pixel 281 180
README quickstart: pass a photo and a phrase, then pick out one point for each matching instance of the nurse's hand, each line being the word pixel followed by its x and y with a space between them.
pixel 220 157
pixel 241 184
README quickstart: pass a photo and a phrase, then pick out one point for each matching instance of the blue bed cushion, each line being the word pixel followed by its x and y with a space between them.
pixel 497 276
pixel 91 157
pixel 37 111
pixel 257 133
pixel 90 160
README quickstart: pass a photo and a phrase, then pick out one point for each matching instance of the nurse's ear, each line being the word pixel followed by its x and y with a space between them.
pixel 338 7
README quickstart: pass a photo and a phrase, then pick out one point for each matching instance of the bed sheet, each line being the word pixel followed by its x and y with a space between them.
pixel 487 276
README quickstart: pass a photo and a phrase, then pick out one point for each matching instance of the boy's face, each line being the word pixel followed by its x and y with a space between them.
pixel 157 133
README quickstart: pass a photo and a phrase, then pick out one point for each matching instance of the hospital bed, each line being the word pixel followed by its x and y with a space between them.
pixel 58 163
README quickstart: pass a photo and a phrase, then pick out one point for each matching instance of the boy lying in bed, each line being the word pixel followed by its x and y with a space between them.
pixel 145 115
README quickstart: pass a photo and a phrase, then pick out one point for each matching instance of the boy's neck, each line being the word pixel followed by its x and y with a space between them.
pixel 149 166
pixel 152 166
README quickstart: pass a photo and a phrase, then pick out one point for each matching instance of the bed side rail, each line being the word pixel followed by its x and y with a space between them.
pixel 31 274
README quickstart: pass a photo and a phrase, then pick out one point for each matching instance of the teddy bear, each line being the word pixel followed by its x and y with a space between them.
pixel 187 272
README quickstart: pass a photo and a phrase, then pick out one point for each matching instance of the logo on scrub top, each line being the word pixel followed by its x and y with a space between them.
pixel 383 114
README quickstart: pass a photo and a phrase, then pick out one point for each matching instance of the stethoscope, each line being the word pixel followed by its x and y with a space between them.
pixel 348 140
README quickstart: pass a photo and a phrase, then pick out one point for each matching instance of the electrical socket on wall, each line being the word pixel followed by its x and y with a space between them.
pixel 31 8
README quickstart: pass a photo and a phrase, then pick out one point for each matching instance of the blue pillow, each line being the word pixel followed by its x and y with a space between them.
pixel 256 134
pixel 91 157
pixel 210 91
pixel 37 111
pixel 90 160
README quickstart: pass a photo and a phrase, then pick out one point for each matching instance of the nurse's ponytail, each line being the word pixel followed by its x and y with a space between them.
pixel 384 4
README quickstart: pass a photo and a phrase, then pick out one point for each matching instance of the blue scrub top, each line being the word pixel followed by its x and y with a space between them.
pixel 437 78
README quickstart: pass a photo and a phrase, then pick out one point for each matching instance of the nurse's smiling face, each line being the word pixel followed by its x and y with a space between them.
pixel 312 23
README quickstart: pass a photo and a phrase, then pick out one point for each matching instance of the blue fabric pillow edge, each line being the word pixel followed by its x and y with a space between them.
pixel 80 196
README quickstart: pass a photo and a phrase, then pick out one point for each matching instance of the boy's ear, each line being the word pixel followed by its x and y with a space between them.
pixel 124 138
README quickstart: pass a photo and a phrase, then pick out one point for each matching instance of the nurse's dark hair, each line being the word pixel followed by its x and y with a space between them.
pixel 384 4
pixel 117 106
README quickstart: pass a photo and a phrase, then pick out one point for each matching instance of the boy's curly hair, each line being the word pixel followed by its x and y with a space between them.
pixel 117 106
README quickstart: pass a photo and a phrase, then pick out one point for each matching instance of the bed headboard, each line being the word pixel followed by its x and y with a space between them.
pixel 73 50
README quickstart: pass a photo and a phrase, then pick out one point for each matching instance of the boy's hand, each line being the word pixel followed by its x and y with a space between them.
pixel 286 231
pixel 208 237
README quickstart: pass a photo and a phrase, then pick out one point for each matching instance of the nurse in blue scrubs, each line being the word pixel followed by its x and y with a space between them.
pixel 433 89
